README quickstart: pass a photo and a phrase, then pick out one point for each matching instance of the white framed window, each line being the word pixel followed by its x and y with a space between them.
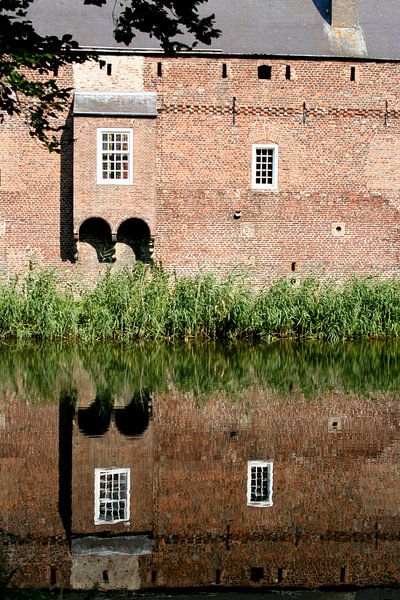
pixel 259 483
pixel 265 166
pixel 114 156
pixel 111 495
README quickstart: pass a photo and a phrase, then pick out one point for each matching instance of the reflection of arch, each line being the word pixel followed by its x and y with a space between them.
pixel 95 420
pixel 135 233
pixel 97 232
pixel 134 418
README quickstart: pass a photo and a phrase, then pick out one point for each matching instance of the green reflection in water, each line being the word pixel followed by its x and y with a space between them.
pixel 44 371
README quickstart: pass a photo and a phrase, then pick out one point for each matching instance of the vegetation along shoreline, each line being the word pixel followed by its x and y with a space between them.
pixel 148 303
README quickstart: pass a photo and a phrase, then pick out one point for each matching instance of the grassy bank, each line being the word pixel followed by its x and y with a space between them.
pixel 146 303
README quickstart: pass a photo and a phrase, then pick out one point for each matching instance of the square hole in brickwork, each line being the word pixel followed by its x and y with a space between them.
pixel 334 424
pixel 264 72
pixel 256 573
pixel 338 229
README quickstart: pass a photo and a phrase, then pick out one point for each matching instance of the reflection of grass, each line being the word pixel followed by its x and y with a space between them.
pixel 43 371
pixel 144 303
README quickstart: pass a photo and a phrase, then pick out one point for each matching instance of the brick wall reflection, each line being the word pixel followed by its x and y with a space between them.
pixel 335 517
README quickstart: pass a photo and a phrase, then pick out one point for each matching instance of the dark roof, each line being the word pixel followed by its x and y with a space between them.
pixel 264 27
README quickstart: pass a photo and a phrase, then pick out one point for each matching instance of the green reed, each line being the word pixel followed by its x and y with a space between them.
pixel 146 303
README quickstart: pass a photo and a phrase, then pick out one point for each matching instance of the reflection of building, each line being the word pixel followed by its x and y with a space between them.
pixel 335 513
pixel 32 535
pixel 322 477
pixel 112 492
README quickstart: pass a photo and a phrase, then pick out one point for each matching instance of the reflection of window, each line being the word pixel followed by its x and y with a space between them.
pixel 111 495
pixel 265 166
pixel 259 483
pixel 114 156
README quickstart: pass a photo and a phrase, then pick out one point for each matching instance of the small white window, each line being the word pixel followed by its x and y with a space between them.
pixel 259 483
pixel 111 495
pixel 265 166
pixel 114 156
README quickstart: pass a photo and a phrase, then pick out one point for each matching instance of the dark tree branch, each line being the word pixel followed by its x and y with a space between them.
pixel 164 20
pixel 29 62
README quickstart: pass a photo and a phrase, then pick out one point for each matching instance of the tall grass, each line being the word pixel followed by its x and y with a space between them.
pixel 146 303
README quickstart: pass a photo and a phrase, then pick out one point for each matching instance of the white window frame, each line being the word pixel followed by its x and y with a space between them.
pixel 100 179
pixel 263 464
pixel 98 472
pixel 265 186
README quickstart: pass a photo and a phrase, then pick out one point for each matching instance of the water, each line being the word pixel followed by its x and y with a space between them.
pixel 154 468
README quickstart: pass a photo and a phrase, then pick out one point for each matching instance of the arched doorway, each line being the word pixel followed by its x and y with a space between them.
pixel 135 235
pixel 96 233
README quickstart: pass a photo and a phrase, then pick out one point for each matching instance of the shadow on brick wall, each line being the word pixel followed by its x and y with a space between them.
pixel 66 192
pixel 67 403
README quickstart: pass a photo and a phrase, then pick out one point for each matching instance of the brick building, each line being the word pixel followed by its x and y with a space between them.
pixel 274 151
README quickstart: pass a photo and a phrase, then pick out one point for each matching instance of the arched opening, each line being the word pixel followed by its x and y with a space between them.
pixel 135 233
pixel 97 233
pixel 133 420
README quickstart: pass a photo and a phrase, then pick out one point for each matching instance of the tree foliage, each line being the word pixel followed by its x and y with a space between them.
pixel 164 20
pixel 28 66
pixel 29 62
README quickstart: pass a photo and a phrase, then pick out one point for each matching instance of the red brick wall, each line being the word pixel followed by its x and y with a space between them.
pixel 35 196
pixel 338 162
pixel 338 167
pixel 114 203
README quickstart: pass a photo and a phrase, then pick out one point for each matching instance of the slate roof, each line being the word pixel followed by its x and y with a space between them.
pixel 262 27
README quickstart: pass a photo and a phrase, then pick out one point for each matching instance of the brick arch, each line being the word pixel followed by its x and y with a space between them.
pixel 96 232
pixel 263 132
pixel 136 234
pixel 266 140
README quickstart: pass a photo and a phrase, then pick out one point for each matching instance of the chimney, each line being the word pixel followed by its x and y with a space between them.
pixel 344 13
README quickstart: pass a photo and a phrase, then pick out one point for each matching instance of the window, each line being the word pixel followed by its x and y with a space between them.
pixel 259 483
pixel 265 166
pixel 111 495
pixel 114 156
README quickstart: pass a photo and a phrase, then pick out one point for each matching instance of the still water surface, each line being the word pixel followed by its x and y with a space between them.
pixel 245 466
